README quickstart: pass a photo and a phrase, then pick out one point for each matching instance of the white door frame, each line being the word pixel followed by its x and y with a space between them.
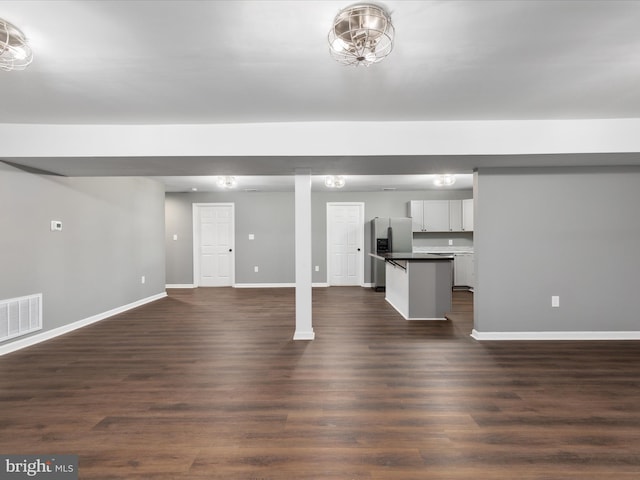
pixel 196 239
pixel 360 253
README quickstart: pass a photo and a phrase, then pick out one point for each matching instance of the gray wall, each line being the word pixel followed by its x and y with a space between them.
pixel 270 217
pixel 112 235
pixel 543 232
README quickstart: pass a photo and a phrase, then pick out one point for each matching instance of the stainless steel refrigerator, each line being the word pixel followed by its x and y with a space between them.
pixel 388 235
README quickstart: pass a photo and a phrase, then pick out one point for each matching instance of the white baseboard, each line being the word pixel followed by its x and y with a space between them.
pixel 604 335
pixel 304 335
pixel 412 319
pixel 367 285
pixel 275 285
pixel 56 332
pixel 258 285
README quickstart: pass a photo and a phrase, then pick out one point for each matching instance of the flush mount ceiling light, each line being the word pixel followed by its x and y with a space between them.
pixel 362 34
pixel 15 54
pixel 444 180
pixel 227 182
pixel 334 181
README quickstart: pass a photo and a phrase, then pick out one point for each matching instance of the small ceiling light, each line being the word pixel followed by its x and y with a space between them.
pixel 15 54
pixel 227 182
pixel 361 35
pixel 444 180
pixel 334 181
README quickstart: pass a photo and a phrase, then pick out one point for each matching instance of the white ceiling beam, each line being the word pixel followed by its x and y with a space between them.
pixel 323 139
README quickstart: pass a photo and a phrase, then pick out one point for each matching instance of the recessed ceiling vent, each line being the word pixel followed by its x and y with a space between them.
pixel 19 316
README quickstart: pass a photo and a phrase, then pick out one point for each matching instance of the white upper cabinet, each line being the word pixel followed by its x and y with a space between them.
pixel 441 215
pixel 416 212
pixel 455 215
pixel 429 215
pixel 467 215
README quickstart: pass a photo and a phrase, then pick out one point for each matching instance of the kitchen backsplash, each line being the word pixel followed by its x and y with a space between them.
pixel 443 249
pixel 433 241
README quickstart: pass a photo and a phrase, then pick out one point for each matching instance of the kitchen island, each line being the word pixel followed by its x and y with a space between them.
pixel 418 284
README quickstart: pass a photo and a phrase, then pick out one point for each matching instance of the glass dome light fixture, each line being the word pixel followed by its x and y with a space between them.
pixel 444 180
pixel 334 181
pixel 227 182
pixel 15 53
pixel 361 34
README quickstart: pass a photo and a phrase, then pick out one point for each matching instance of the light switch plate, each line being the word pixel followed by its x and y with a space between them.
pixel 252 236
pixel 56 225
pixel 555 301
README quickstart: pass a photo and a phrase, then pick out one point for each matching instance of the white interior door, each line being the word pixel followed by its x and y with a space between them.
pixel 345 248
pixel 213 245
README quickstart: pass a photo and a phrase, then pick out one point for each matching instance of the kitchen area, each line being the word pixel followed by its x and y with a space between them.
pixel 419 259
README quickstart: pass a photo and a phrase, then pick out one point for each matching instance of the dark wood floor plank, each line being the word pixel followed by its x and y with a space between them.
pixel 208 384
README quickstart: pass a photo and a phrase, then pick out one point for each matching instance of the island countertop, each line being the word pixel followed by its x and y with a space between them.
pixel 409 256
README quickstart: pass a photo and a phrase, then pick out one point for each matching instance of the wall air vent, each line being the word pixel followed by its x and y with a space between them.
pixel 19 316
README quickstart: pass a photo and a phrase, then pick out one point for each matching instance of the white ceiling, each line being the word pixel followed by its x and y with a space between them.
pixel 195 62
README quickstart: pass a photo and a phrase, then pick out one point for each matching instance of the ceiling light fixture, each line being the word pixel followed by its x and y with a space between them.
pixel 15 54
pixel 227 182
pixel 444 180
pixel 334 181
pixel 361 35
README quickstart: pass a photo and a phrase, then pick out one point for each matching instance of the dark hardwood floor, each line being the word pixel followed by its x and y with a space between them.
pixel 207 384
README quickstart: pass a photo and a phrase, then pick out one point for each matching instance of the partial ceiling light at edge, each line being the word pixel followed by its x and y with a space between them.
pixel 15 53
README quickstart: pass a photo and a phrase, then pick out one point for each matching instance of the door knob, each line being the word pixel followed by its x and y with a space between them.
pixel 231 250
pixel 358 249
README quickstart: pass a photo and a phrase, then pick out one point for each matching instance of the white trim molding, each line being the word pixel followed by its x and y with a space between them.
pixel 298 335
pixel 604 335
pixel 180 285
pixel 264 285
pixel 411 319
pixel 56 332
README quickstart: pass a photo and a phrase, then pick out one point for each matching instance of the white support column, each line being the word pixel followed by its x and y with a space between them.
pixel 304 327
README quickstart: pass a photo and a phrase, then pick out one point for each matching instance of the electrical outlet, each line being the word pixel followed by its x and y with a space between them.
pixel 555 301
pixel 143 279
pixel 255 269
pixel 450 242
pixel 175 236
pixel 317 268
pixel 252 236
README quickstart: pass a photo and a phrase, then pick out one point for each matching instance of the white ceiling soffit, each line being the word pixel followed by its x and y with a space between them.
pixel 109 62
pixel 285 183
